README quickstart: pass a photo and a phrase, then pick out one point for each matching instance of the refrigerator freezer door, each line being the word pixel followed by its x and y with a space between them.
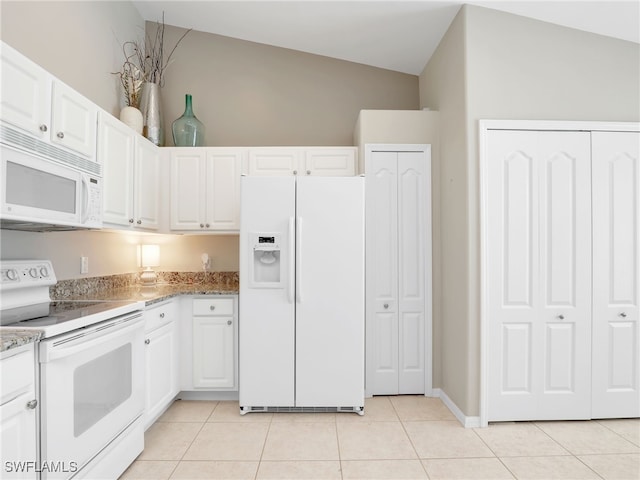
pixel 330 292
pixel 266 327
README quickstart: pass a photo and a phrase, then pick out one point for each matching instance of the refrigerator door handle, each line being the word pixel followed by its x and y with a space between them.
pixel 299 259
pixel 292 262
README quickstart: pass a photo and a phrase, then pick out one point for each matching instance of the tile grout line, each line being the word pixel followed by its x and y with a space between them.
pixel 264 445
pixel 404 429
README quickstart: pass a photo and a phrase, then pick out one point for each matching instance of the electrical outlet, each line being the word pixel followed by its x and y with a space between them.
pixel 84 264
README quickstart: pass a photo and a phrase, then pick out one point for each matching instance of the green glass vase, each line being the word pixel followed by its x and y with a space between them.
pixel 187 130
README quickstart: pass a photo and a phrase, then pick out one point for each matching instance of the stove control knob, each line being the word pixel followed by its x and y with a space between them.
pixel 12 274
pixel 44 272
pixel 33 273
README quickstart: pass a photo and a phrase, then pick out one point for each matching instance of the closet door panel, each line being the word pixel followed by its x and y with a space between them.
pixel 616 217
pixel 382 273
pixel 512 274
pixel 538 274
pixel 412 187
pixel 565 274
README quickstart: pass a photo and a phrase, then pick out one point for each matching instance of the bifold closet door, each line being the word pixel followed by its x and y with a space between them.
pixel 397 211
pixel 616 272
pixel 538 275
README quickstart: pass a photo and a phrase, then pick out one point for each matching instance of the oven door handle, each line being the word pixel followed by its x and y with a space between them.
pixel 73 343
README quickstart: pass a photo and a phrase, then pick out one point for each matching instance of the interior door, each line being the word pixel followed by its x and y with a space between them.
pixel 538 276
pixel 616 274
pixel 398 215
pixel 330 292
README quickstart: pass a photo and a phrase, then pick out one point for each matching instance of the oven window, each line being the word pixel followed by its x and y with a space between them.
pixel 100 386
pixel 34 188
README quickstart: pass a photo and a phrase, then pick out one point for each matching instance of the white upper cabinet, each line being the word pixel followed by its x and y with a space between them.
pixel 321 161
pixel 26 92
pixel 205 189
pixel 73 120
pixel 131 176
pixel 40 105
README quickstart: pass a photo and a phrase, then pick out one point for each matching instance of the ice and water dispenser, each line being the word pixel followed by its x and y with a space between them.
pixel 266 264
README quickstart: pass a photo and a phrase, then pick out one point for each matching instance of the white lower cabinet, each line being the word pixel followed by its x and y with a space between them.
pixel 161 358
pixel 17 413
pixel 210 360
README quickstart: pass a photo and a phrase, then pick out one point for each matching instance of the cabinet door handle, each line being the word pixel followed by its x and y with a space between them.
pixel 308 172
pixel 60 135
pixel 229 322
pixel 386 305
pixel 206 225
pixel 131 220
pixel 162 315
pixel 139 222
pixel 43 128
pixel 295 172
pixel 31 404
pixel 202 225
pixel 561 317
pixel 147 341
pixel 623 315
pixel 212 307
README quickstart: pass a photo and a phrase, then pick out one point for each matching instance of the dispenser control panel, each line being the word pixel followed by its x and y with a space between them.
pixel 266 267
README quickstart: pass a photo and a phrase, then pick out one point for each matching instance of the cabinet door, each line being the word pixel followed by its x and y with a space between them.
pixel 18 437
pixel 74 120
pixel 116 153
pixel 616 274
pixel 161 368
pixel 330 162
pixel 538 275
pixel 25 97
pixel 382 273
pixel 275 161
pixel 213 352
pixel 223 189
pixel 147 184
pixel 188 189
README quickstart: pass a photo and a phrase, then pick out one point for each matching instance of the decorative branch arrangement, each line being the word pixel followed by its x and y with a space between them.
pixel 145 62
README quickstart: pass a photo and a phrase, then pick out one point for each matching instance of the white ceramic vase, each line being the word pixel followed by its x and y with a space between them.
pixel 132 117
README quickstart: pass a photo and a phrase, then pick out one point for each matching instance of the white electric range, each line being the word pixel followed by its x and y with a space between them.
pixel 90 373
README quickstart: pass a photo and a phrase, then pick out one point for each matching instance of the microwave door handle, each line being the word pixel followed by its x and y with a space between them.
pixel 84 213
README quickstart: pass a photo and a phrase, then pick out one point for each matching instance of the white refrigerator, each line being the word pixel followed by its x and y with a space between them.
pixel 301 337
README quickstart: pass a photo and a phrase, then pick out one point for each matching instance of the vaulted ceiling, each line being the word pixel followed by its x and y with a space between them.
pixel 396 35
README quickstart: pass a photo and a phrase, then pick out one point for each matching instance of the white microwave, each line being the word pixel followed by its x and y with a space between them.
pixel 39 194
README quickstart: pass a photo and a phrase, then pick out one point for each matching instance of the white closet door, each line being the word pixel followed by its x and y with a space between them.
pixel 538 275
pixel 382 273
pixel 413 201
pixel 616 268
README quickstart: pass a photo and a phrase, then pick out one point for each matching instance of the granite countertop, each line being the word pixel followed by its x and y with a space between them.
pixel 11 337
pixel 160 292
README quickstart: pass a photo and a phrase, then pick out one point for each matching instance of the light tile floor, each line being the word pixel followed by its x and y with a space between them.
pixel 404 437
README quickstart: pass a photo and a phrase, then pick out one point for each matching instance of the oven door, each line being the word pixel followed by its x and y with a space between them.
pixel 92 388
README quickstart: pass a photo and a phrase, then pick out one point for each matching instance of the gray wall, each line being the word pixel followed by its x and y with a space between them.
pixel 251 94
pixel 500 65
pixel 78 42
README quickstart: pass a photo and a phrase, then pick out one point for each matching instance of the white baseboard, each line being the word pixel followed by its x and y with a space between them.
pixel 208 395
pixel 466 421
